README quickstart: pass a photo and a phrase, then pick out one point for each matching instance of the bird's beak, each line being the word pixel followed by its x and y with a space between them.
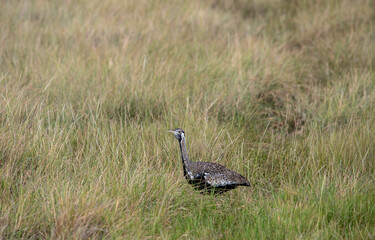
pixel 170 131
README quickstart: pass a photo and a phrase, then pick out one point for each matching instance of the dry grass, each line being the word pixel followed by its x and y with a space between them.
pixel 281 91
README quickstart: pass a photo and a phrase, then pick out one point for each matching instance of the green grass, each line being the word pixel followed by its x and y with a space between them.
pixel 281 91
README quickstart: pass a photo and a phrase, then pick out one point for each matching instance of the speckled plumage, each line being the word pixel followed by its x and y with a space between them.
pixel 207 177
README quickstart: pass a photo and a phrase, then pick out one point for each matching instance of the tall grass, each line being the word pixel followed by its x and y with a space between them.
pixel 280 91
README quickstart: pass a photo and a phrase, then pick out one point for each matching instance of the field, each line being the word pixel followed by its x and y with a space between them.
pixel 281 91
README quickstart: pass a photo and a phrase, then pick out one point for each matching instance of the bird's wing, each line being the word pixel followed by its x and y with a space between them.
pixel 219 176
pixel 218 180
pixel 204 169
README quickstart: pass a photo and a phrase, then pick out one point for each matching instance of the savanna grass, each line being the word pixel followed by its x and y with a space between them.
pixel 280 91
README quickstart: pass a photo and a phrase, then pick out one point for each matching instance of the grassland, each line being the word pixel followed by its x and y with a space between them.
pixel 280 91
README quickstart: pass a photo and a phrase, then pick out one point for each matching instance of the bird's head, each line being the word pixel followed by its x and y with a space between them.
pixel 178 133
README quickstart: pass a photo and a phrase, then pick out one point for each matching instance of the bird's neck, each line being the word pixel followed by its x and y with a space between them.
pixel 184 155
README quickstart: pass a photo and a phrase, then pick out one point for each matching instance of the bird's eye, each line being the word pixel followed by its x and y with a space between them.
pixel 179 131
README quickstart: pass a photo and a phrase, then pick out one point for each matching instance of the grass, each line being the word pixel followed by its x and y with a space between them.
pixel 281 91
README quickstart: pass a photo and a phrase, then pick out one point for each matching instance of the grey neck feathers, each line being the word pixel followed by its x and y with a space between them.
pixel 185 158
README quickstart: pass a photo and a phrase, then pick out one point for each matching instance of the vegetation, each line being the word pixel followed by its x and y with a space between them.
pixel 282 91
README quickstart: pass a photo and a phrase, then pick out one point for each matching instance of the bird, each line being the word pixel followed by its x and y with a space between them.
pixel 207 177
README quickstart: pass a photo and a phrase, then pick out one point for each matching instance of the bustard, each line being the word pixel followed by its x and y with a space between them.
pixel 207 177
